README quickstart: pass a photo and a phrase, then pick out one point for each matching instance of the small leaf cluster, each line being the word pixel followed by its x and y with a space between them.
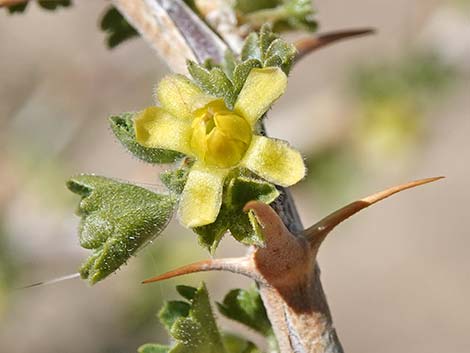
pixel 283 15
pixel 193 328
pixel 45 4
pixel 226 80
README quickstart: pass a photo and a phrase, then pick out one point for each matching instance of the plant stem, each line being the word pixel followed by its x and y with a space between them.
pixel 306 318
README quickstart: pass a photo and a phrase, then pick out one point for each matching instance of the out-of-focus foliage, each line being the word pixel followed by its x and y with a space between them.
pixel 8 270
pixel 117 28
pixel 45 4
pixel 117 220
pixel 192 325
pixel 391 99
pixel 282 14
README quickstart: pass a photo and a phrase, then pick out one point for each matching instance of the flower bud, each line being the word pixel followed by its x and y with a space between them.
pixel 219 136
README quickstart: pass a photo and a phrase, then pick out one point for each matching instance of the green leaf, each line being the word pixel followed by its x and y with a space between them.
pixel 268 49
pixel 285 51
pixel 266 37
pixel 175 179
pixel 246 307
pixel 117 28
pixel 197 332
pixel 153 348
pixel 236 344
pixel 186 292
pixel 193 327
pixel 118 219
pixel 251 48
pixel 172 311
pixel 238 191
pixel 123 128
pixel 229 63
pixel 213 81
pixel 242 71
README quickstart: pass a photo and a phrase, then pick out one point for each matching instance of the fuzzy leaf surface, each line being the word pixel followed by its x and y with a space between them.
pixel 197 331
pixel 117 219
pixel 246 307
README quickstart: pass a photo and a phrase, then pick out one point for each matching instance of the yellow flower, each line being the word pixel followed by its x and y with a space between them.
pixel 201 126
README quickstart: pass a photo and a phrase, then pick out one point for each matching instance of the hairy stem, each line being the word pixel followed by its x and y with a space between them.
pixel 166 30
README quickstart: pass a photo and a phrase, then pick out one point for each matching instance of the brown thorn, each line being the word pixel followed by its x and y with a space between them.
pixel 269 220
pixel 308 45
pixel 240 265
pixel 317 233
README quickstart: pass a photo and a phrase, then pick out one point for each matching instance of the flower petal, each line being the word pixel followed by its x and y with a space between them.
pixel 202 195
pixel 274 160
pixel 180 97
pixel 261 89
pixel 155 128
pixel 234 126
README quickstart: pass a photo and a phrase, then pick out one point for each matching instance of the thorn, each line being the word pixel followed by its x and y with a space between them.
pixel 271 223
pixel 240 265
pixel 318 232
pixel 308 45
pixel 52 281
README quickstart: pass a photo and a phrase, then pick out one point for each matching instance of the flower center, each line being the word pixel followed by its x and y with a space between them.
pixel 219 136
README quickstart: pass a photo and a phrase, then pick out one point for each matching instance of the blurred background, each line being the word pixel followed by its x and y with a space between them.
pixel 367 114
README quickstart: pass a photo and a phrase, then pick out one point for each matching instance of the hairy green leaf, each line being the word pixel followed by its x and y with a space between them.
pixel 241 73
pixel 213 81
pixel 123 128
pixel 117 220
pixel 175 179
pixel 251 48
pixel 246 307
pixel 172 311
pixel 268 49
pixel 193 327
pixel 197 332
